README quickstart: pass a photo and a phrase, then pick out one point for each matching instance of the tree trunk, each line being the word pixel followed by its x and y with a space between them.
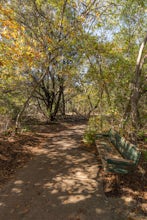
pixel 63 104
pixel 132 105
pixel 57 104
pixel 135 95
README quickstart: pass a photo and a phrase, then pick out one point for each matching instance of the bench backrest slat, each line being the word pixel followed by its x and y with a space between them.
pixel 126 149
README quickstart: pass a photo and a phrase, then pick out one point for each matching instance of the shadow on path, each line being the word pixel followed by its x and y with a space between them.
pixel 59 183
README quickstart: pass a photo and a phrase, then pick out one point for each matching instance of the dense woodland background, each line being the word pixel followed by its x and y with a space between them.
pixel 74 57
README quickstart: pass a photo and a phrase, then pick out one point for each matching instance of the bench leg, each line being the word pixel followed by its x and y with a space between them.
pixel 117 179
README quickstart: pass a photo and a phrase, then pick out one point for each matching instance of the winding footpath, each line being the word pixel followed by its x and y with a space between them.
pixel 61 182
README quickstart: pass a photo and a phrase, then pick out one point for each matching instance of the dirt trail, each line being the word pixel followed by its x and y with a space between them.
pixel 60 182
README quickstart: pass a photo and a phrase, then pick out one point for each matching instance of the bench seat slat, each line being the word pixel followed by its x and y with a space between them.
pixel 121 161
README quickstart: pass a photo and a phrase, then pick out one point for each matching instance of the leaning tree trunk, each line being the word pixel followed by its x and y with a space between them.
pixel 132 105
pixel 135 95
pixel 18 119
pixel 27 102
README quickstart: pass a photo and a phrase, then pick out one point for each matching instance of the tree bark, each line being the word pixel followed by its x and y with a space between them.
pixel 135 96
pixel 132 105
pixel 57 104
pixel 63 111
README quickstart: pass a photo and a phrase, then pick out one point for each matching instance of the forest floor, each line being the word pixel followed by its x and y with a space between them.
pixel 49 174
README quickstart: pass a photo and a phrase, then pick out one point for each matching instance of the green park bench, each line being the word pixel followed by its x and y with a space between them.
pixel 117 154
